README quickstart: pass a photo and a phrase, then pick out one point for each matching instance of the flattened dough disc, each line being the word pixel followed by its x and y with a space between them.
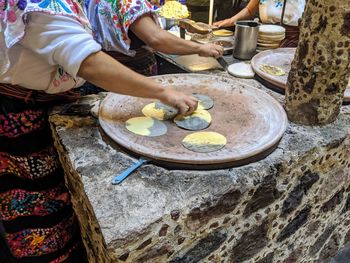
pixel 198 120
pixel 271 29
pixel 222 33
pixel 204 142
pixel 159 111
pixel 146 126
pixel 204 101
pixel 241 70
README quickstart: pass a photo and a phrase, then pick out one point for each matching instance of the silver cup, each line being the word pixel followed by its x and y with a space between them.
pixel 246 38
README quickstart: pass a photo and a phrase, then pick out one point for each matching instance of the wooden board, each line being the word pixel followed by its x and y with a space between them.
pixel 252 121
pixel 280 57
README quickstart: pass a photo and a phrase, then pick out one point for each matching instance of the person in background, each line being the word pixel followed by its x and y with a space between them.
pixel 47 50
pixel 270 12
pixel 126 30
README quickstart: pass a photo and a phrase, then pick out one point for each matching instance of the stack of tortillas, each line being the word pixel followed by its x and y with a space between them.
pixel 270 36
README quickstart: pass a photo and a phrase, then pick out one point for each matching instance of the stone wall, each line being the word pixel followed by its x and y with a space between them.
pixel 293 206
pixel 298 213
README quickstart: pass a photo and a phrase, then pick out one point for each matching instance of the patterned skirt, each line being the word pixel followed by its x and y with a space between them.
pixel 37 220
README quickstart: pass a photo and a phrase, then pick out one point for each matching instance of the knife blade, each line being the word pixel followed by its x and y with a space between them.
pixel 222 62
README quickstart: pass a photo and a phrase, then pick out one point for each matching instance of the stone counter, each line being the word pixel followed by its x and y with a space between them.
pixel 292 206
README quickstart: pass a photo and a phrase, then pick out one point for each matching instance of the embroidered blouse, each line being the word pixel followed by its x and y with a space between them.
pixel 48 56
pixel 111 20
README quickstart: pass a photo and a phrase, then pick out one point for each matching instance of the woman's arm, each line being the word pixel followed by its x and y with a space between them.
pixel 105 72
pixel 61 40
pixel 246 13
pixel 161 40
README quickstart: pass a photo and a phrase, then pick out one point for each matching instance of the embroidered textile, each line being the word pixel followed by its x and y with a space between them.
pixel 35 207
pixel 111 20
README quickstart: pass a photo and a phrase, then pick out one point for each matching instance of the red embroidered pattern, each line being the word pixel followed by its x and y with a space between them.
pixel 16 124
pixel 32 166
pixel 16 203
pixel 40 241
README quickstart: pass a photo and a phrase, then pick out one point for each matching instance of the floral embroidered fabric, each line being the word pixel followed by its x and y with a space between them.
pixel 111 20
pixel 18 202
pixel 16 124
pixel 33 166
pixel 40 241
pixel 35 207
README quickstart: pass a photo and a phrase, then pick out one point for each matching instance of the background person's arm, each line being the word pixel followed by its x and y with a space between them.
pixel 246 13
pixel 161 40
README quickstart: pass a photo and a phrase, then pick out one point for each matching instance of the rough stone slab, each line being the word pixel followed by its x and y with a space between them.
pixel 123 222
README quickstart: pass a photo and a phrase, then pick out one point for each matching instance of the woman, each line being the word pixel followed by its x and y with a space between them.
pixel 124 28
pixel 270 12
pixel 37 68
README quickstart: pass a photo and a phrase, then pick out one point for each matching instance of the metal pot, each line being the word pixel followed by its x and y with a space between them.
pixel 168 23
pixel 246 38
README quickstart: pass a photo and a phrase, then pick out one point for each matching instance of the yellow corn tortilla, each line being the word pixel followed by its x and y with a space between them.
pixel 204 142
pixel 222 33
pixel 272 70
pixel 198 120
pixel 146 126
pixel 159 111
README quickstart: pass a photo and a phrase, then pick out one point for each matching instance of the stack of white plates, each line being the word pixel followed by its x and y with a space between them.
pixel 270 36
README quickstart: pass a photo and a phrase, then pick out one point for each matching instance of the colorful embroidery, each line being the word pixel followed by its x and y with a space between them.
pixel 16 203
pixel 42 218
pixel 33 166
pixel 16 124
pixel 40 241
pixel 111 20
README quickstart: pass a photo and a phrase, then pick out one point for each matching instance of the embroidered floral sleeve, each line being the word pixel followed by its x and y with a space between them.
pixel 111 20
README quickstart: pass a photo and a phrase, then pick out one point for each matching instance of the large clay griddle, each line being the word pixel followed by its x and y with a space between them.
pixel 252 121
pixel 280 57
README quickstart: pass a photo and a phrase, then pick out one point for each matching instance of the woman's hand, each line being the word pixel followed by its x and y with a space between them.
pixel 225 23
pixel 184 103
pixel 210 50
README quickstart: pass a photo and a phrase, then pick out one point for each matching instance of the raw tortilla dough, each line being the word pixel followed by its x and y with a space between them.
pixel 146 126
pixel 204 142
pixel 199 120
pixel 271 30
pixel 241 70
pixel 204 101
pixel 159 111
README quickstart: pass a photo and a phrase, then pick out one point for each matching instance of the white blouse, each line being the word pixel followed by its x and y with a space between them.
pixel 50 42
pixel 270 11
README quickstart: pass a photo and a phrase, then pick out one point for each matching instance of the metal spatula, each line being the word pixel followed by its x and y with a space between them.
pixel 222 62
